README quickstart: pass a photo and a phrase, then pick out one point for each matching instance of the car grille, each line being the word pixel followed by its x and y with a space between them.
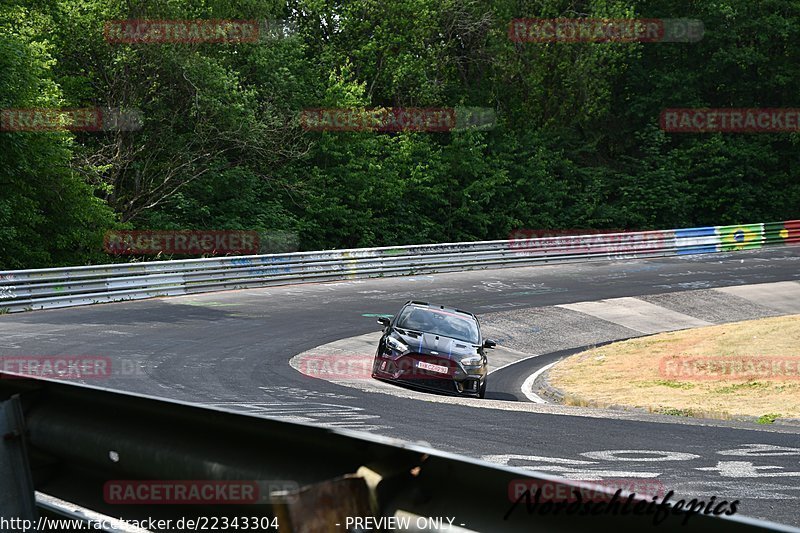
pixel 447 385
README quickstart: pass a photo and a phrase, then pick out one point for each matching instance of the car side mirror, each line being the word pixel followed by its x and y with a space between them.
pixel 383 321
pixel 489 344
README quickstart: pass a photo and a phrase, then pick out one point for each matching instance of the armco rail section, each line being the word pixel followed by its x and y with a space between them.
pixel 23 290
pixel 79 440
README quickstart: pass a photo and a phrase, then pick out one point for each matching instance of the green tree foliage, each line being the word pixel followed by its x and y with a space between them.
pixel 48 214
pixel 576 143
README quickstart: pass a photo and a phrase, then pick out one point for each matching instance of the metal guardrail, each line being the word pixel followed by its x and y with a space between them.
pixel 82 438
pixel 23 290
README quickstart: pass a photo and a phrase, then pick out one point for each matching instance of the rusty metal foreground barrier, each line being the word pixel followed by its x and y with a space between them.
pixel 135 458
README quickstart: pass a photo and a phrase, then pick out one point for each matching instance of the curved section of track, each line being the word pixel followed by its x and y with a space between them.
pixel 232 349
pixel 348 362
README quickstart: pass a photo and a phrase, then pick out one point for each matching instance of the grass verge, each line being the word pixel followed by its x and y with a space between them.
pixel 743 369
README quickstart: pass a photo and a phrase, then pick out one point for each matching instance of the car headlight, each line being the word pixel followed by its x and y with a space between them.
pixel 472 360
pixel 396 345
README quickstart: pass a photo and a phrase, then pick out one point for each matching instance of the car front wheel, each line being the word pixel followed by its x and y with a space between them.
pixel 482 392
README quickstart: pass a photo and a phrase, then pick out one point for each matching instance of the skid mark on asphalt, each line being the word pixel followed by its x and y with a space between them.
pixel 297 393
pixel 296 404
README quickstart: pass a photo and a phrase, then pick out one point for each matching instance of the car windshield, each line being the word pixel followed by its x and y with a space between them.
pixel 440 323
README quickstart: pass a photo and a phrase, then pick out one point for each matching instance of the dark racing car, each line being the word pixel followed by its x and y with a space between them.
pixel 433 347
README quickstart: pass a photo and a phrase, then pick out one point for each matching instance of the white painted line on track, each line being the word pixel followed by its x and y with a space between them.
pixel 645 315
pixel 527 386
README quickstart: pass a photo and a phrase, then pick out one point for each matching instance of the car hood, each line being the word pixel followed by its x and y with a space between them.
pixel 437 345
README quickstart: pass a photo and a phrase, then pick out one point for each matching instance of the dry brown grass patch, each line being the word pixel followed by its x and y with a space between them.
pixel 630 372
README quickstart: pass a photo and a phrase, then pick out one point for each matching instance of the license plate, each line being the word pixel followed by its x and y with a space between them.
pixel 433 368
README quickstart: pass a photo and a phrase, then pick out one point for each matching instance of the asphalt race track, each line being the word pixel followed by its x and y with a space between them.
pixel 233 348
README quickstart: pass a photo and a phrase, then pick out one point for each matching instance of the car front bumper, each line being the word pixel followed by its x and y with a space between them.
pixel 442 375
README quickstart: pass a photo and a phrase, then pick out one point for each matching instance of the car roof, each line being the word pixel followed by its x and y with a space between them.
pixel 437 307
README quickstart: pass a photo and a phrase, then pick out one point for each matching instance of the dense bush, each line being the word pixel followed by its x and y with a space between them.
pixel 577 142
